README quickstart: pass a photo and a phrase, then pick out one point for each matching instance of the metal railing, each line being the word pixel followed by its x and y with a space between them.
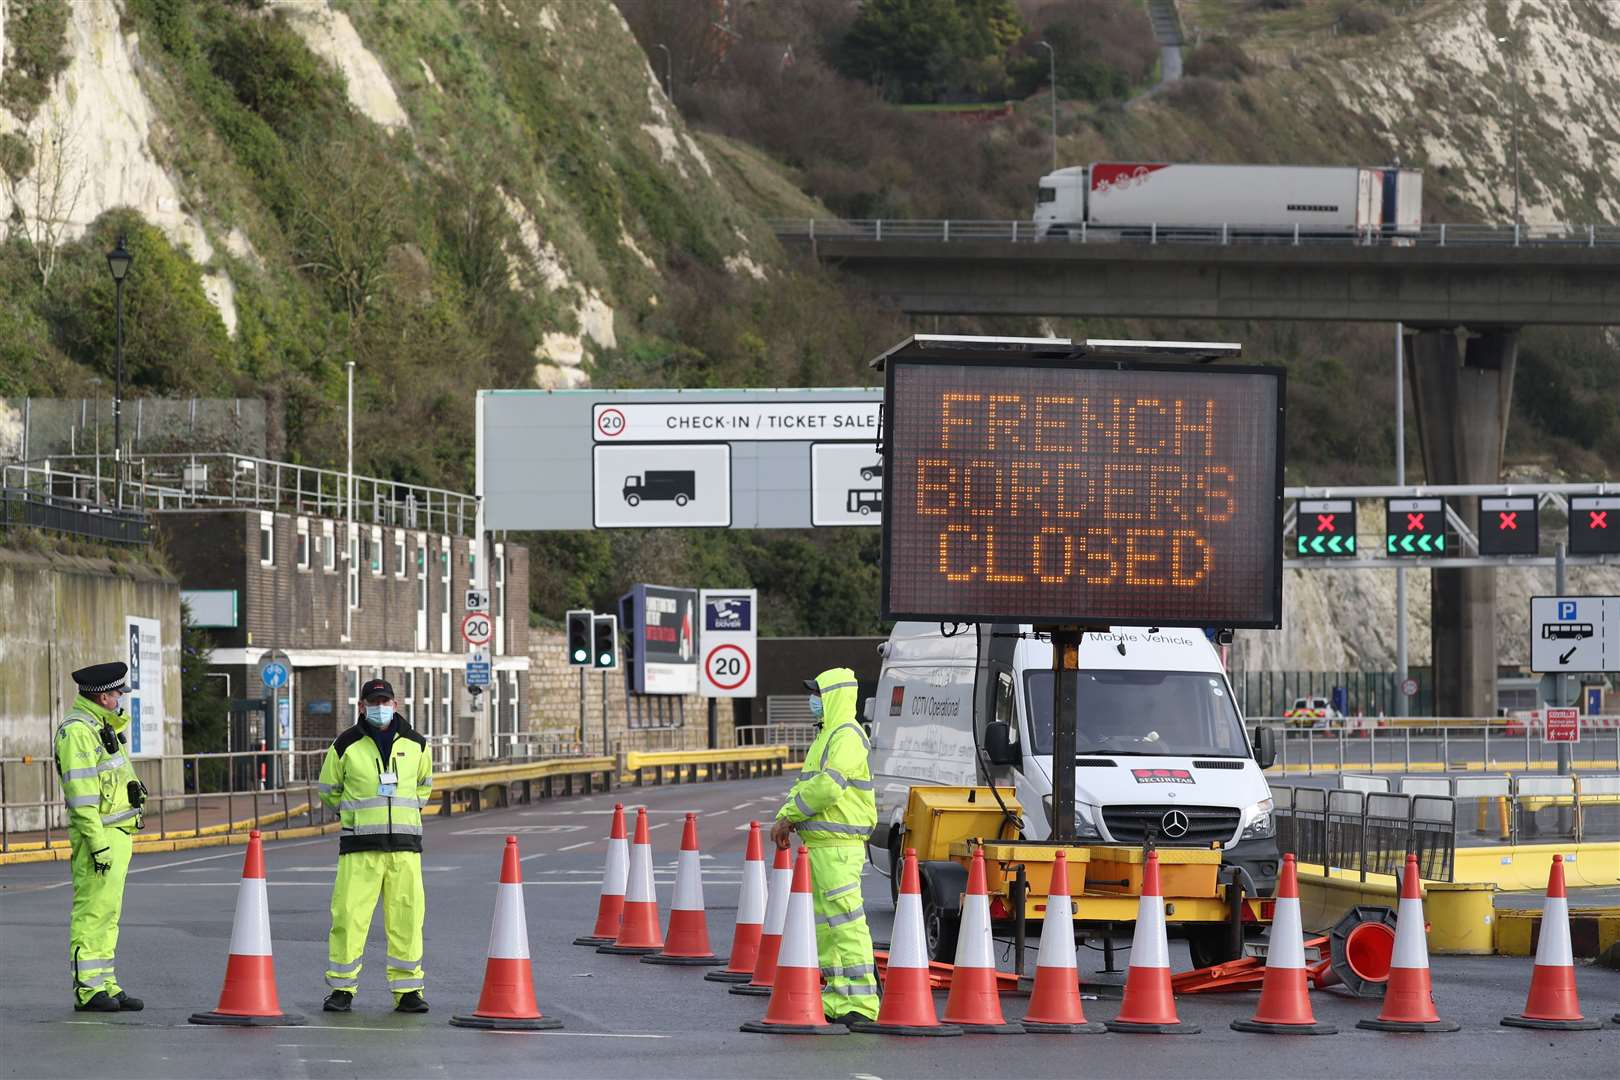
pixel 75 517
pixel 157 482
pixel 1515 809
pixel 1367 832
pixel 796 737
pixel 1448 747
pixel 945 231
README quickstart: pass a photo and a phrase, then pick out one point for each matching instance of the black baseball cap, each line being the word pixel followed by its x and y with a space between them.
pixel 812 686
pixel 380 689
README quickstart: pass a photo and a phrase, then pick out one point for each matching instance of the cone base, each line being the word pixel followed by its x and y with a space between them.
pixel 219 1019
pixel 750 990
pixel 989 1029
pixel 761 1027
pixel 728 976
pixel 1583 1024
pixel 683 961
pixel 1262 1027
pixel 1088 1028
pixel 594 941
pixel 1130 1027
pixel 628 950
pixel 501 1023
pixel 872 1027
pixel 1408 1025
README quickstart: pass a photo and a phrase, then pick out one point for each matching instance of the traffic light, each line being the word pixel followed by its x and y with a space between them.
pixel 1325 528
pixel 1414 527
pixel 579 638
pixel 606 641
pixel 1508 525
pixel 1594 525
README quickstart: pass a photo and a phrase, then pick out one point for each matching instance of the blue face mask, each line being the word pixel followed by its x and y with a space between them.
pixel 815 706
pixel 379 716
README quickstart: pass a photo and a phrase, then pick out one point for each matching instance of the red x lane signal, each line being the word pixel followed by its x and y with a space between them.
pixel 1507 519
pixel 1414 522
pixel 1600 519
pixel 1324 523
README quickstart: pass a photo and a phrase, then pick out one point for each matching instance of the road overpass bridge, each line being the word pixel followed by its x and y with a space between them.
pixel 1461 291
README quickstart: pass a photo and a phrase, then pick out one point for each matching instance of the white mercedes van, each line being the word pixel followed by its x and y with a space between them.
pixel 1160 745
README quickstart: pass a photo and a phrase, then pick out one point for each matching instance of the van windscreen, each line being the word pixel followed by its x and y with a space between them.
pixel 1174 713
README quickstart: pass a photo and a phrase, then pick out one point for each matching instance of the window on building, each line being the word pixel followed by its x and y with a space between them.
pixel 376 552
pixel 353 539
pixel 329 546
pixel 302 548
pixel 426 710
pixel 444 594
pixel 409 700
pixel 351 688
pixel 267 539
pixel 447 724
pixel 500 599
pixel 514 711
pixel 399 553
pixel 421 594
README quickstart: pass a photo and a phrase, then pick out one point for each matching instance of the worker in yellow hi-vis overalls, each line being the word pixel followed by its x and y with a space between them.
pixel 832 809
pixel 104 800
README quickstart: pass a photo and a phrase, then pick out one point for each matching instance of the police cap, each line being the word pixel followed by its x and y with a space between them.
pixel 101 678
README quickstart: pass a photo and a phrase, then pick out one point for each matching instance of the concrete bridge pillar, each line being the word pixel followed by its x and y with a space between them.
pixel 1462 389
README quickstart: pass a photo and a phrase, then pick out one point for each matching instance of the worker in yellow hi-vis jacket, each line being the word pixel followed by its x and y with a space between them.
pixel 377 775
pixel 104 800
pixel 832 809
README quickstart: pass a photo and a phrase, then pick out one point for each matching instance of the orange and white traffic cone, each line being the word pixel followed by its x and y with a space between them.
pixel 1553 1004
pixel 795 1007
pixel 1408 994
pixel 638 927
pixel 770 937
pixel 1149 1006
pixel 750 915
pixel 687 943
pixel 507 1001
pixel 974 1004
pixel 610 904
pixel 908 995
pixel 248 998
pixel 1054 1003
pixel 1285 1000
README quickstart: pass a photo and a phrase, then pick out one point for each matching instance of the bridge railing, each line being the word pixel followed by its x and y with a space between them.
pixel 945 231
pixel 1441 746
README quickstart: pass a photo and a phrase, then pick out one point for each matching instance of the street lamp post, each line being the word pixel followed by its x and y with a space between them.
pixel 669 73
pixel 118 262
pixel 1051 57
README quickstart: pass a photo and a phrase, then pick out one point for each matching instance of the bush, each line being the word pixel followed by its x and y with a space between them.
pixel 1363 21
pixel 1220 58
pixel 35 42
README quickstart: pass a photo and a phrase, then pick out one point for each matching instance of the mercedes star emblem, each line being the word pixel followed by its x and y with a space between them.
pixel 1175 824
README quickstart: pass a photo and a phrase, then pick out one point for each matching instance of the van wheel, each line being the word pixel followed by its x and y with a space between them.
pixel 940 927
pixel 1208 946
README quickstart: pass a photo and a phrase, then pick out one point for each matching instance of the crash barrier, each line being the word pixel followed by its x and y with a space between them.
pixel 1367 832
pixel 1365 745
pixel 1515 809
pixel 742 763
pixel 502 784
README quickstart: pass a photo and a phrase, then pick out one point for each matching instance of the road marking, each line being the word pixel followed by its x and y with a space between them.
pixel 340 1028
pixel 660 825
pixel 235 853
pixel 576 847
pixel 526 858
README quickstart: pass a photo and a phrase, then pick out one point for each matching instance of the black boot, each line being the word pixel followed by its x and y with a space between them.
pixel 411 1001
pixel 100 1001
pixel 338 1001
pixel 127 1003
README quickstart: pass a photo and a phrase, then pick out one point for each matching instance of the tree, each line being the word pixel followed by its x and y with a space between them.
pixel 44 176
pixel 204 712
pixel 924 50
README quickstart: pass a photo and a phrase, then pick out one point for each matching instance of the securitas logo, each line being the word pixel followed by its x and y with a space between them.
pixel 1162 776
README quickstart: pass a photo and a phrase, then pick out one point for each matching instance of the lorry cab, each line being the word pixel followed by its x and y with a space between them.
pixel 1060 199
pixel 1161 749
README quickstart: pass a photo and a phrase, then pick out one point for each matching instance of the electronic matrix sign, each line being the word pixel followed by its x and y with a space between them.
pixel 1082 492
pixel 1594 524
pixel 1325 528
pixel 1508 525
pixel 1415 527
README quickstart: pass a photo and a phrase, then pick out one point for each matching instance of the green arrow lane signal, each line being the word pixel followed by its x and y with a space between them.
pixel 1423 542
pixel 1299 545
pixel 1406 543
pixel 1350 544
pixel 1440 543
pixel 1334 545
pixel 1389 538
pixel 1316 544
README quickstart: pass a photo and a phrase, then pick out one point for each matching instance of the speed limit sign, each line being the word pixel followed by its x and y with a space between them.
pixel 477 628
pixel 727 642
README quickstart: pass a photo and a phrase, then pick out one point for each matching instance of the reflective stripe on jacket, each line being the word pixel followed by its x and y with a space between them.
pixel 350 784
pixel 832 803
pixel 95 783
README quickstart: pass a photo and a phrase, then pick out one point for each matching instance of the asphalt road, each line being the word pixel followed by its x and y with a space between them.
pixel 624 1018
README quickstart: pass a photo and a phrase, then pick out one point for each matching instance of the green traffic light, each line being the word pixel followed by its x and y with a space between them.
pixel 607 658
pixel 580 655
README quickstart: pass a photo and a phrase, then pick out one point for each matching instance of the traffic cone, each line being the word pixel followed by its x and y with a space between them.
pixel 795 1007
pixel 687 943
pixel 1285 1000
pixel 1149 1006
pixel 1408 995
pixel 248 998
pixel 770 937
pixel 973 1004
pixel 638 928
pixel 610 905
pixel 1553 1004
pixel 908 996
pixel 1054 1003
pixel 750 915
pixel 507 1001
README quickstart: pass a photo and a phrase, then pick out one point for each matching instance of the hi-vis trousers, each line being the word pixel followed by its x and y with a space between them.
pixel 362 876
pixel 842 937
pixel 98 903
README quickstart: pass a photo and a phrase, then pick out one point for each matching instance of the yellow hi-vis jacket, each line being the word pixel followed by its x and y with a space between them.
pixel 832 802
pixel 95 779
pixel 351 783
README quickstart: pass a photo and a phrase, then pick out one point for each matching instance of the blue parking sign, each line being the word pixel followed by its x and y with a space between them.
pixel 1566 610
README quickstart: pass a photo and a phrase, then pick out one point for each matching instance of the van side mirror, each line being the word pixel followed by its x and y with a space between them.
pixel 1265 747
pixel 998 745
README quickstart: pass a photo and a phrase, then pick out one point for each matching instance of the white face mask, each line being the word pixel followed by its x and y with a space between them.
pixel 815 706
pixel 379 716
